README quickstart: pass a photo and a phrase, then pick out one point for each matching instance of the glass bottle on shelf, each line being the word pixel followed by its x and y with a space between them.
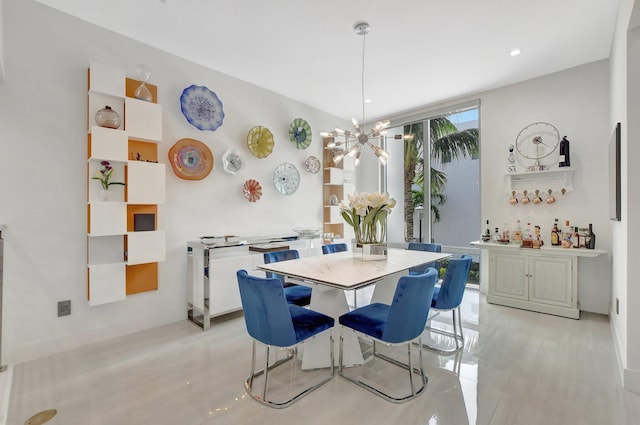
pixel 506 235
pixel 555 234
pixel 517 233
pixel 576 237
pixel 486 236
pixel 564 160
pixel 496 235
pixel 591 238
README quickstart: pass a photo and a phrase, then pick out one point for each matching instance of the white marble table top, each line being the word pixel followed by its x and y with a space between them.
pixel 341 270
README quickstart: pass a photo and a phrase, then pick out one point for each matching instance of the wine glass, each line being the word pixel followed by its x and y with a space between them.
pixel 142 92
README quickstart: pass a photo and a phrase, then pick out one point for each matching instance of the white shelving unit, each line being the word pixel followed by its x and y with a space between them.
pixel 122 261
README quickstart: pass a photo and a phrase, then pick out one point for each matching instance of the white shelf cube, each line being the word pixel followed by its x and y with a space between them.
pixel 146 183
pixel 334 175
pixel 334 214
pixel 106 79
pixel 143 120
pixel 107 283
pixel 109 144
pixel 146 247
pixel 107 218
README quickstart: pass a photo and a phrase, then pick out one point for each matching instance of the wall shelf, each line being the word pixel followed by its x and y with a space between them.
pixel 121 261
pixel 556 180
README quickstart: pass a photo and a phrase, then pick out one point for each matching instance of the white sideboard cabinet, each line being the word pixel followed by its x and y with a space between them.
pixel 543 280
pixel 212 285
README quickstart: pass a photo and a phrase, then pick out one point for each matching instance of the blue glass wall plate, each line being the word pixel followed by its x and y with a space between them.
pixel 202 108
pixel 300 133
pixel 286 178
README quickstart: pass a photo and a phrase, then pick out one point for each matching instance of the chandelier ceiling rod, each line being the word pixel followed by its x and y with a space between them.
pixel 353 142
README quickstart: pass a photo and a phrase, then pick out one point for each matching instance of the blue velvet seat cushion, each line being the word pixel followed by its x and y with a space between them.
pixel 369 320
pixel 308 323
pixel 298 295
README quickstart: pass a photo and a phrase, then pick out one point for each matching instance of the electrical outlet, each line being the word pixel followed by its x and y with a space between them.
pixel 617 306
pixel 64 308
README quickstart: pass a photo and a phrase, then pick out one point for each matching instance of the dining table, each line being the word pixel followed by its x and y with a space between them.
pixel 332 274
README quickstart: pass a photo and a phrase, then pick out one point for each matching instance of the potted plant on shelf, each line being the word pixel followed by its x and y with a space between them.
pixel 104 176
pixel 367 214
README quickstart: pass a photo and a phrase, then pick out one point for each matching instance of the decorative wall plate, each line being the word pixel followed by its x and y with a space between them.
pixel 252 190
pixel 260 141
pixel 202 108
pixel 231 161
pixel 300 133
pixel 286 178
pixel 312 164
pixel 190 159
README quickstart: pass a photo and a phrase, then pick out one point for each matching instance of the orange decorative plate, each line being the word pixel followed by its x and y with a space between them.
pixel 190 159
pixel 252 190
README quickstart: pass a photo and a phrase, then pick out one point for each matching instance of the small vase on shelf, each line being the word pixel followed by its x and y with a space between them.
pixel 107 117
pixel 104 194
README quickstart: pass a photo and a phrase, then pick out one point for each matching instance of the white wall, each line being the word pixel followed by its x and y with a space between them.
pixel 624 108
pixel 43 118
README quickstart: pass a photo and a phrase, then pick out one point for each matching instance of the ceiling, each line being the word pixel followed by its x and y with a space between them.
pixel 418 52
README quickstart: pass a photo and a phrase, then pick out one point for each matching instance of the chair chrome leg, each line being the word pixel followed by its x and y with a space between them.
pixel 413 389
pixel 414 393
pixel 457 334
pixel 266 376
pixel 253 365
pixel 262 398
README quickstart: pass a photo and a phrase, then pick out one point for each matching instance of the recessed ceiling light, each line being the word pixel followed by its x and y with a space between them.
pixel 368 101
pixel 515 52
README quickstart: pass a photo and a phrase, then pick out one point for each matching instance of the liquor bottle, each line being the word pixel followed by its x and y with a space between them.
pixel 576 237
pixel 486 236
pixel 567 232
pixel 506 235
pixel 555 234
pixel 564 160
pixel 527 237
pixel 591 238
pixel 517 233
pixel 496 235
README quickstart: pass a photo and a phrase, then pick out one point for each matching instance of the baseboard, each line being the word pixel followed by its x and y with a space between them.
pixel 630 378
pixel 6 379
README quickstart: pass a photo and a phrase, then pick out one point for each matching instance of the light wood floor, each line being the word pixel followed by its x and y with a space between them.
pixel 518 367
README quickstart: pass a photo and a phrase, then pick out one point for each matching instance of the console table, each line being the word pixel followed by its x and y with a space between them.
pixel 212 263
pixel 543 280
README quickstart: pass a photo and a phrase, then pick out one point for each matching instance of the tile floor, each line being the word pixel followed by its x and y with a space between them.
pixel 517 367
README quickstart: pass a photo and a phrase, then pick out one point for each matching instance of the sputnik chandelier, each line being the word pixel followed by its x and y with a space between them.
pixel 352 142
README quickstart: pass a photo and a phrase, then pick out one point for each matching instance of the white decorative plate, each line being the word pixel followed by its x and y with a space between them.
pixel 286 178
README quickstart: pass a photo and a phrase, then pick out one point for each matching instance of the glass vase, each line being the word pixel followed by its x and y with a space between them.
pixel 364 251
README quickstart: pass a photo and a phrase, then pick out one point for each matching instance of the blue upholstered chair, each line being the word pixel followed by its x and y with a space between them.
pixel 273 322
pixel 296 294
pixel 334 247
pixel 402 322
pixel 423 246
pixel 448 297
